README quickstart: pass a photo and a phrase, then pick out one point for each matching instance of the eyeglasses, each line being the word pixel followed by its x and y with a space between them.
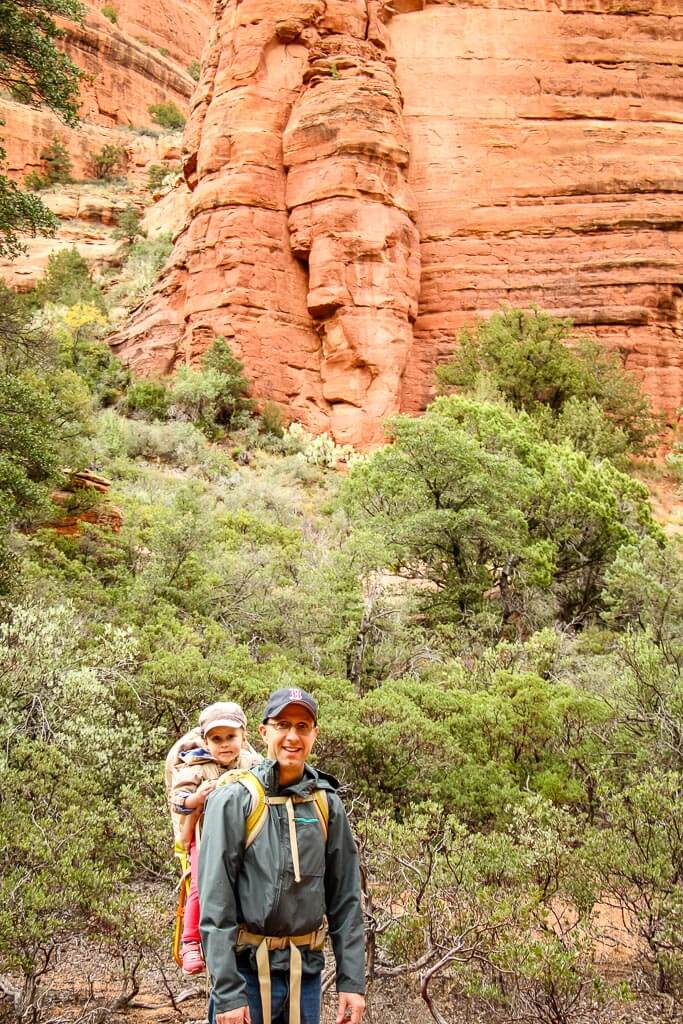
pixel 301 728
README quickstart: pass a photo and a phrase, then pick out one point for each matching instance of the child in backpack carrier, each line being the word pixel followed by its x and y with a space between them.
pixel 199 760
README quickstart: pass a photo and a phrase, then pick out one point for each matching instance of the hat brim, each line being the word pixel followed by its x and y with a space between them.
pixel 289 704
pixel 230 723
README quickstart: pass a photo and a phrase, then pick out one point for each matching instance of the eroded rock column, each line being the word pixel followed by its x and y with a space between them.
pixel 352 217
pixel 301 246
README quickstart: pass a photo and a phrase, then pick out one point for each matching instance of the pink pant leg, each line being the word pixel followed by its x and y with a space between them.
pixel 191 919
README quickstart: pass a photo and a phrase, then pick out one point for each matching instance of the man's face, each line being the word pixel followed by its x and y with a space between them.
pixel 290 737
pixel 224 744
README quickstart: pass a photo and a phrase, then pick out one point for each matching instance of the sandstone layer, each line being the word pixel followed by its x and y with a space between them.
pixel 547 161
pixel 366 180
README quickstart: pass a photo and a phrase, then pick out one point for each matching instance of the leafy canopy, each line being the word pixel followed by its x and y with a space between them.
pixel 472 502
pixel 575 387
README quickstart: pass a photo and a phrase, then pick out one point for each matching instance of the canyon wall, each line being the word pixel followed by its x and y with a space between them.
pixel 142 59
pixel 368 177
pixel 547 161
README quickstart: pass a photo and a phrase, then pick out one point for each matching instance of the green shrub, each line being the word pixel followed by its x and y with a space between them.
pixel 56 167
pixel 23 343
pixel 167 115
pixel 110 13
pixel 177 444
pixel 194 69
pixel 141 270
pixel 161 175
pixel 472 498
pixel 214 395
pixel 272 420
pixel 147 399
pixel 536 362
pixel 67 281
pixel 35 181
pixel 128 225
pixel 80 331
pixel 107 161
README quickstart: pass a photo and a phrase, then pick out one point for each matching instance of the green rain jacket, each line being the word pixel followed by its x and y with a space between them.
pixel 255 888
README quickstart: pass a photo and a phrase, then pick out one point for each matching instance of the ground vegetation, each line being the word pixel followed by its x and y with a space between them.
pixel 488 613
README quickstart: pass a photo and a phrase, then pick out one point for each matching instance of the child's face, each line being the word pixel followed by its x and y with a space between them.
pixel 224 744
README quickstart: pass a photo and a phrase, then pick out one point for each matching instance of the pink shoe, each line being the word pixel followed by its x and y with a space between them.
pixel 193 961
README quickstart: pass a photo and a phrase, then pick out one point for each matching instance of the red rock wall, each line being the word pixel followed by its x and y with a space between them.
pixel 520 151
pixel 547 162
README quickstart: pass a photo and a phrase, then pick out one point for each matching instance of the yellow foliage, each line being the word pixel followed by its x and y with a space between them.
pixel 84 315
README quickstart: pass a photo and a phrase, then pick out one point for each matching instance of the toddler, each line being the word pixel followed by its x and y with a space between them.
pixel 202 757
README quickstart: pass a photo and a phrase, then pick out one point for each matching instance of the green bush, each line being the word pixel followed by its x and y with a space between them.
pixel 23 344
pixel 148 399
pixel 141 269
pixel 66 734
pixel 129 225
pixel 167 115
pixel 473 499
pixel 194 69
pixel 161 175
pixel 56 168
pixel 35 181
pixel 272 420
pixel 110 13
pixel 178 444
pixel 233 404
pixel 67 281
pixel 79 332
pixel 536 362
pixel 107 161
pixel 214 395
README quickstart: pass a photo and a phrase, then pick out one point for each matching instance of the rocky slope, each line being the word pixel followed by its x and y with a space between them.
pixel 141 59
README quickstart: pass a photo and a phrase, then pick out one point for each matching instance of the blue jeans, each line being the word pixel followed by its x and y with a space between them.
pixel 279 1000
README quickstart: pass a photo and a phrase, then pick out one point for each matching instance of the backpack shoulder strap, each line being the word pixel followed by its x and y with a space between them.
pixel 258 813
pixel 322 809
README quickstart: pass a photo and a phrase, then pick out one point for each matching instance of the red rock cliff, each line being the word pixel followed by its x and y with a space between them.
pixel 367 179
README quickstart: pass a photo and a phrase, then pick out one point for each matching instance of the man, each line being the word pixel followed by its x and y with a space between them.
pixel 277 856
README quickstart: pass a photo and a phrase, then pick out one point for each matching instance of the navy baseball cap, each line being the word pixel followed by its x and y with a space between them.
pixel 279 699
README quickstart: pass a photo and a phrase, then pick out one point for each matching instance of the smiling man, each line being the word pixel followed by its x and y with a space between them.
pixel 278 865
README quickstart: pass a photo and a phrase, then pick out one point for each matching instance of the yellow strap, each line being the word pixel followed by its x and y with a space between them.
pixel 178 924
pixel 256 818
pixel 294 984
pixel 258 813
pixel 263 965
pixel 322 809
